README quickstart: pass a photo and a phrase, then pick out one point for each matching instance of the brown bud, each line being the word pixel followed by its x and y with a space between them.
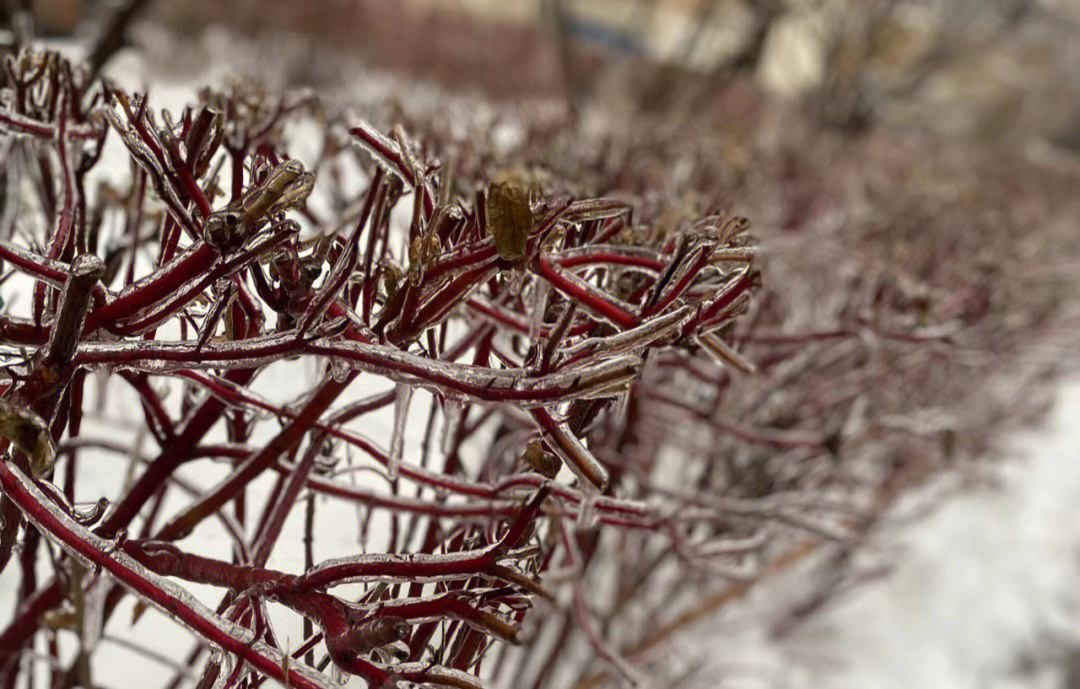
pixel 509 219
pixel 543 462
pixel 28 432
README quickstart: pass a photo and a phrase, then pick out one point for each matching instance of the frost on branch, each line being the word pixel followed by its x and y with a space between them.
pixel 537 323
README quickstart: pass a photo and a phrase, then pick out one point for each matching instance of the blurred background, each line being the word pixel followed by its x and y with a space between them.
pixel 909 169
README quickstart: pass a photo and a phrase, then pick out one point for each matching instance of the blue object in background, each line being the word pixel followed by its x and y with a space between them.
pixel 603 34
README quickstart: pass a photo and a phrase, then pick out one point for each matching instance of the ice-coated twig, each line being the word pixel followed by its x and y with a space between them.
pixel 523 339
pixel 158 591
pixel 572 451
pixel 585 618
pixel 480 383
pixel 725 354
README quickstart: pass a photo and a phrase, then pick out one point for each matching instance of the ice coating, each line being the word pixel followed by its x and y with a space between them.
pixel 145 320
pixel 572 451
pixel 480 383
pixel 141 152
pixel 724 354
pixel 603 306
pixel 50 270
pixel 532 334
pixel 445 676
pixel 425 567
pixel 595 209
pixel 402 397
pixel 537 302
pixel 453 411
pixel 635 338
pixel 174 601
pixel 587 516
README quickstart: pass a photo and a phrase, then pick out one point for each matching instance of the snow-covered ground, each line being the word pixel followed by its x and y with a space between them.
pixel 981 590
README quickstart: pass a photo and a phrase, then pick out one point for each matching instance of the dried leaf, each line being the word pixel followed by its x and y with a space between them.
pixel 509 218
pixel 543 462
pixel 29 433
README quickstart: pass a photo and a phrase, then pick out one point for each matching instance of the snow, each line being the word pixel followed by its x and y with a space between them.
pixel 981 592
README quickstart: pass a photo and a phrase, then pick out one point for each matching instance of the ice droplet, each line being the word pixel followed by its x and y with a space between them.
pixel 93 612
pixel 226 664
pixel 403 395
pixel 217 657
pixel 454 409
pixel 339 369
pixel 223 675
pixel 587 516
pixel 338 676
pixel 516 282
pixel 622 401
pixel 538 303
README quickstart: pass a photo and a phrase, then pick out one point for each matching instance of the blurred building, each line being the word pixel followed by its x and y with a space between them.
pixel 504 46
